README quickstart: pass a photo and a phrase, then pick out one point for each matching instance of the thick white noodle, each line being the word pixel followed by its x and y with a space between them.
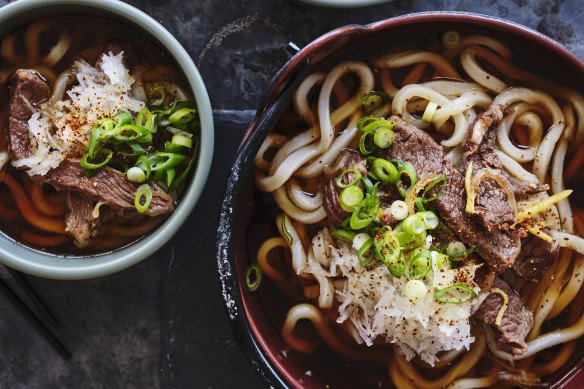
pixel 300 99
pixel 408 92
pixel 407 58
pixel 59 50
pixel 299 263
pixel 515 167
pixel 292 162
pixel 327 292
pixel 321 246
pixel 479 40
pixel 316 167
pixel 571 241
pixel 546 147
pixel 535 132
pixel 307 217
pixel 302 199
pixel 271 141
pixel 557 181
pixel 468 60
pixel 466 101
pixel 60 86
pixel 453 89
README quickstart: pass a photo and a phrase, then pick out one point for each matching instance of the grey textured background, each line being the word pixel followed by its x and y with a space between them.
pixel 162 322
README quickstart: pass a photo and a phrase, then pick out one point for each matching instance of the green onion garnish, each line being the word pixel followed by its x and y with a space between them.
pixel 343 235
pixel 450 39
pixel 385 171
pixel 157 95
pixel 420 265
pixel 144 191
pixel 366 252
pixel 253 277
pixel 350 198
pixel 464 253
pixel 164 160
pixel 414 224
pixel 388 250
pixel 408 172
pixel 285 231
pixel 440 180
pixel 383 138
pixel 374 99
pixel 353 176
pixel 454 294
pixel 91 165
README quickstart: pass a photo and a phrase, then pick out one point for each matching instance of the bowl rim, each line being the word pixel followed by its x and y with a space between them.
pixel 23 258
pixel 258 354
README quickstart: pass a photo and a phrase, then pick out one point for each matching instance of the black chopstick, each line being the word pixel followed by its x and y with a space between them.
pixel 34 297
pixel 39 325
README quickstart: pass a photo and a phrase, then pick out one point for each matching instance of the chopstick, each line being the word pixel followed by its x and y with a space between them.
pixel 34 297
pixel 34 320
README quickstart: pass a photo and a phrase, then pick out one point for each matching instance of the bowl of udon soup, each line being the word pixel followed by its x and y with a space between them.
pixel 106 137
pixel 406 211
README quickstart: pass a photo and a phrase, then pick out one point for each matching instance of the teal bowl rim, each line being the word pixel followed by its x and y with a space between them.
pixel 41 264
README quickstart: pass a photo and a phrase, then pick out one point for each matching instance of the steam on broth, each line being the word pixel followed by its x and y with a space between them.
pixel 99 132
pixel 424 218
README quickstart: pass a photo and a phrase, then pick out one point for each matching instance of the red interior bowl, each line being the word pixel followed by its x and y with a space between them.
pixel 246 219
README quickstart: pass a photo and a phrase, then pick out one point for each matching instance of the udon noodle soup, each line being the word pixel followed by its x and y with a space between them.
pixel 424 228
pixel 98 134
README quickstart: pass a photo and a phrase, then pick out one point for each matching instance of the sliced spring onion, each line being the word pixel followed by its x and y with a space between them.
pixel 135 174
pixel 146 119
pixel 415 290
pixel 182 115
pixel 429 111
pixel 366 252
pixel 343 235
pixel 388 250
pixel 144 164
pixel 122 119
pixel 143 197
pixel 442 261
pixel 450 39
pixel 430 219
pixel 350 198
pixel 359 240
pixel 253 277
pixel 132 133
pixel 352 175
pixel 440 180
pixel 165 161
pixel 414 224
pixel 170 173
pixel 383 138
pixel 420 265
pixel 129 149
pixel 157 95
pixel 385 171
pixel 464 253
pixel 454 294
pixel 285 231
pixel 374 99
pixel 359 219
pixel 92 166
pixel 184 174
pixel 399 210
pixel 92 146
pixel 407 178
pixel 182 140
pixel 419 204
pixel 366 144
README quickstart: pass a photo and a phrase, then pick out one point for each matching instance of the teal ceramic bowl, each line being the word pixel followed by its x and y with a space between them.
pixel 20 257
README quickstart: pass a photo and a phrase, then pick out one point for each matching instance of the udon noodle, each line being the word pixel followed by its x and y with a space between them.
pixel 542 126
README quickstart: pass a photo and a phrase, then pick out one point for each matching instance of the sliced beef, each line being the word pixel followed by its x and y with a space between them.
pixel 28 90
pixel 515 323
pixel 105 185
pixel 347 159
pixel 479 147
pixel 79 221
pixel 537 255
pixel 498 248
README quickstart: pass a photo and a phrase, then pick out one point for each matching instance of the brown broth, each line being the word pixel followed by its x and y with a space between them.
pixel 89 34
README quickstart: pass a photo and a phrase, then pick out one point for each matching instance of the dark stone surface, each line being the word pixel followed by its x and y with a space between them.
pixel 162 322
